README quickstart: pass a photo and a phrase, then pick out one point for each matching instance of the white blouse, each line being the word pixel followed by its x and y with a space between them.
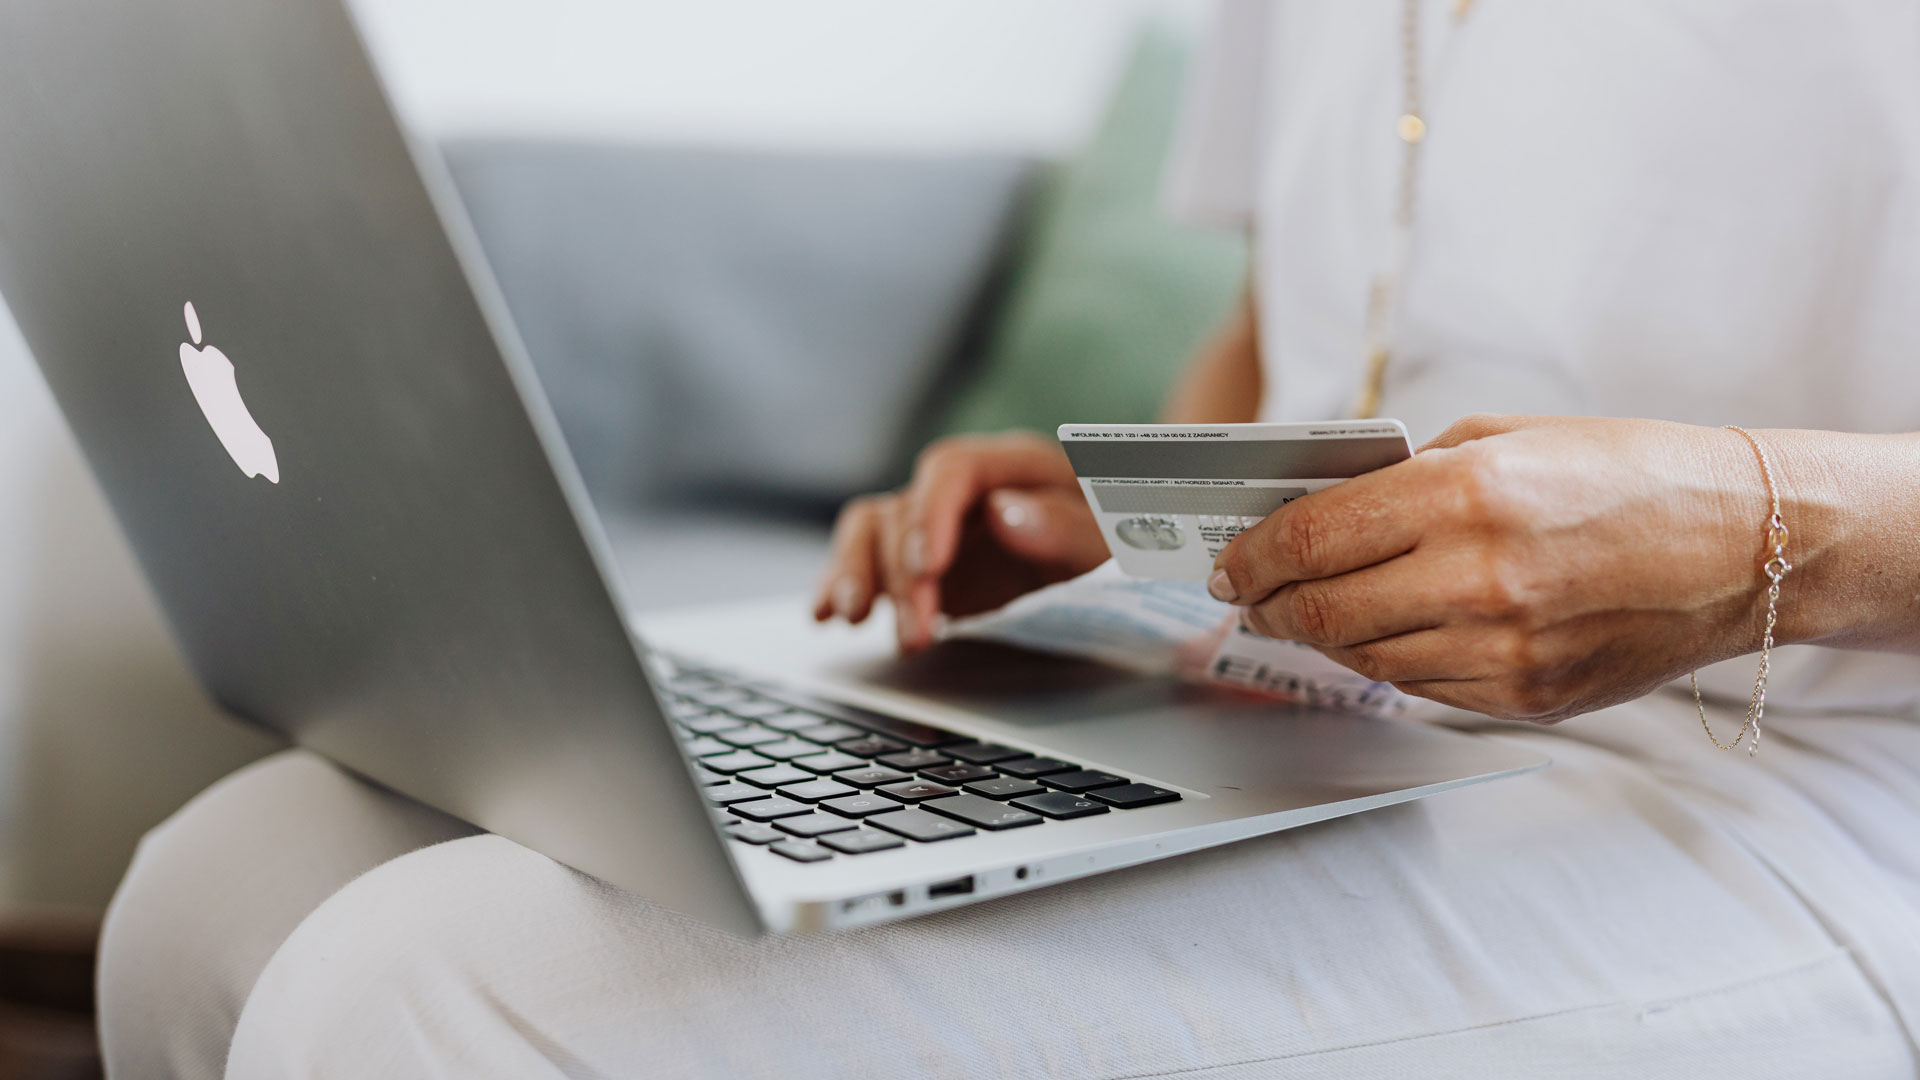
pixel 1705 211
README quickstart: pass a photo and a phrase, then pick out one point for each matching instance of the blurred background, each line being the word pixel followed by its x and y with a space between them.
pixel 760 251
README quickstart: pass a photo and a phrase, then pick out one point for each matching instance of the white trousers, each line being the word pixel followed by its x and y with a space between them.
pixel 1645 908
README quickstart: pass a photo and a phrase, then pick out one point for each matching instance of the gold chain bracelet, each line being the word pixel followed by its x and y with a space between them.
pixel 1775 569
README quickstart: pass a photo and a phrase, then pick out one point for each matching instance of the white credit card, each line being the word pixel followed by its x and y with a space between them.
pixel 1170 496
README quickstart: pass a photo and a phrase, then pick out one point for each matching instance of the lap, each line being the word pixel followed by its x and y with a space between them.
pixel 504 964
pixel 1591 919
pixel 215 890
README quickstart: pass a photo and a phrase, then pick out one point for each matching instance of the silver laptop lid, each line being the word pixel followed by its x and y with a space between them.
pixel 333 466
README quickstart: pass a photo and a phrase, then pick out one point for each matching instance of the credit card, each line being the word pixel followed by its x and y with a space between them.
pixel 1170 496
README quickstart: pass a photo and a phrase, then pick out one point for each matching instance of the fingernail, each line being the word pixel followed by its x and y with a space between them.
pixel 909 628
pixel 902 623
pixel 913 552
pixel 1015 513
pixel 846 597
pixel 1220 587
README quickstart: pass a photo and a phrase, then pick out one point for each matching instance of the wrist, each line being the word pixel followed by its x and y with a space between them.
pixel 1817 599
pixel 1854 567
pixel 1740 538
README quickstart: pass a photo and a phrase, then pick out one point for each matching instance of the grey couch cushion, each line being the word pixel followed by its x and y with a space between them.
pixel 715 321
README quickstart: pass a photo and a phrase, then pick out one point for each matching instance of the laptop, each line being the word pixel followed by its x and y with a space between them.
pixel 268 323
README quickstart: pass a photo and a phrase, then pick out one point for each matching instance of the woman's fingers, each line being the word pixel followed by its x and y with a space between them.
pixel 1360 522
pixel 1410 592
pixel 1489 697
pixel 1016 489
pixel 850 583
pixel 865 565
pixel 1365 520
pixel 1052 526
pixel 1440 654
pixel 915 600
pixel 1483 667
pixel 952 477
pixel 921 536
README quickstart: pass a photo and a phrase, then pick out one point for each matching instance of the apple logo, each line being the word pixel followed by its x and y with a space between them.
pixel 210 374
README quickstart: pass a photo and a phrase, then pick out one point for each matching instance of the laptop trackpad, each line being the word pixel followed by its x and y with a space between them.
pixel 1198 737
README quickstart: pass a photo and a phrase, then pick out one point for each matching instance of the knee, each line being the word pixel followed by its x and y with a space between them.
pixel 396 968
pixel 215 889
pixel 165 983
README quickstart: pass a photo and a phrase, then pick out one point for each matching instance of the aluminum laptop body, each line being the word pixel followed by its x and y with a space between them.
pixel 266 319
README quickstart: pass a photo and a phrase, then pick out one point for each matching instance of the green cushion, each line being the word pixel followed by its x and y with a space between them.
pixel 1110 296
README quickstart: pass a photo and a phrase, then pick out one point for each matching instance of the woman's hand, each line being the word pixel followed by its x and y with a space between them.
pixel 985 519
pixel 1521 567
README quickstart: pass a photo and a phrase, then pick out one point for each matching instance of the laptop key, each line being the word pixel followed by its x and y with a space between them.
pixel 775 776
pixel 720 697
pixel 816 824
pixel 922 826
pixel 750 735
pixel 722 818
pixel 831 731
pixel 985 813
pixel 703 746
pixel 982 753
pixel 1003 787
pixel 802 850
pixel 788 719
pixel 681 709
pixel 1059 804
pixel 862 804
pixel 915 790
pixel 757 708
pixel 816 789
pixel 869 746
pixel 788 748
pixel 709 723
pixel 737 761
pixel 753 832
pixel 1129 796
pixel 1035 766
pixel 708 776
pixel 830 762
pixel 770 808
pixel 871 776
pixel 1081 781
pixel 913 760
pixel 907 731
pixel 861 841
pixel 957 773
pixel 732 792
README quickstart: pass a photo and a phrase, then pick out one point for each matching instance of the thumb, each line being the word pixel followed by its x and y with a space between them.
pixel 1046 525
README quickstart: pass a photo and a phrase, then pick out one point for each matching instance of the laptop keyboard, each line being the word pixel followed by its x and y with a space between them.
pixel 811 781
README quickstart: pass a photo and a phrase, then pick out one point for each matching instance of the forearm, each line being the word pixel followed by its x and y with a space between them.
pixel 1852 509
pixel 1222 385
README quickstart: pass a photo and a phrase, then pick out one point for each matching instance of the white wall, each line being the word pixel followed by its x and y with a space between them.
pixel 1023 75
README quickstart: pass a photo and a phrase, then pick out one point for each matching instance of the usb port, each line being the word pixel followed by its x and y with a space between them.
pixel 959 886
